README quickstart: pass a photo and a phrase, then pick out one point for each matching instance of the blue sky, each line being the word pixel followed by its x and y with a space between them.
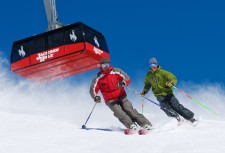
pixel 187 37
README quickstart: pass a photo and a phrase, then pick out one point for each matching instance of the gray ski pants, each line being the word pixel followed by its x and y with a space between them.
pixel 126 114
pixel 171 106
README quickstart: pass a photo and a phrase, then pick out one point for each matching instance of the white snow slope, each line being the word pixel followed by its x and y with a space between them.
pixel 48 119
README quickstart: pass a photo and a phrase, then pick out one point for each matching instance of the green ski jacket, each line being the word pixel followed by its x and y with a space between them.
pixel 157 81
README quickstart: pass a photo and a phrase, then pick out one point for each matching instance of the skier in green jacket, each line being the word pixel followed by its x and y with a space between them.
pixel 161 82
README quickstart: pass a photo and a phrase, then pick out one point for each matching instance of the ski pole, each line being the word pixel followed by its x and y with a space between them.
pixel 185 94
pixel 137 93
pixel 84 126
pixel 142 106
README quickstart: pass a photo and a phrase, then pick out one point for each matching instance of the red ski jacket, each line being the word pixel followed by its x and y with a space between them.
pixel 106 82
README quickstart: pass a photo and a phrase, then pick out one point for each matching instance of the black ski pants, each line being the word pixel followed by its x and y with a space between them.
pixel 171 106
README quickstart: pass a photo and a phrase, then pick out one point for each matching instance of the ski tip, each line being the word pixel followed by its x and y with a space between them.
pixel 129 131
pixel 126 131
pixel 143 132
pixel 195 123
pixel 179 123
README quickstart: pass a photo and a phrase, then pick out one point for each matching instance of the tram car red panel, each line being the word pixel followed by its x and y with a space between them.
pixel 59 53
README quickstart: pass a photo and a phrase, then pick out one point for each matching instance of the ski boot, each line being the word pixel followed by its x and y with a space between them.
pixel 131 130
pixel 193 121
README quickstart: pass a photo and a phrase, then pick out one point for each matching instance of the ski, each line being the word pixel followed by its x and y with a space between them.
pixel 130 132
pixel 140 131
pixel 98 129
pixel 180 122
pixel 195 123
pixel 143 132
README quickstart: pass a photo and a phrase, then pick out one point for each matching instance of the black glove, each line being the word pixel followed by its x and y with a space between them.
pixel 121 84
pixel 97 99
pixel 143 93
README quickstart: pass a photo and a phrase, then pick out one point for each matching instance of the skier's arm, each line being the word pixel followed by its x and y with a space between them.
pixel 170 77
pixel 94 88
pixel 124 77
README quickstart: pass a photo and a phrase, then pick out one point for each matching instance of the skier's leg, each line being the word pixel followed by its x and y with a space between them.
pixel 180 109
pixel 120 114
pixel 165 106
pixel 134 115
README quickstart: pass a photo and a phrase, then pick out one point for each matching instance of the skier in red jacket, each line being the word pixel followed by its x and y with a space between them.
pixel 111 82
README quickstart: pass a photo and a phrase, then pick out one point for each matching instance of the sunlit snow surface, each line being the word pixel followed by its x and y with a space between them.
pixel 48 118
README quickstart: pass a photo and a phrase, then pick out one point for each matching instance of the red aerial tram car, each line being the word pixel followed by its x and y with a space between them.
pixel 62 51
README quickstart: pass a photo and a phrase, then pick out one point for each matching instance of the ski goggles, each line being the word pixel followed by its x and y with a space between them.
pixel 104 65
pixel 153 65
